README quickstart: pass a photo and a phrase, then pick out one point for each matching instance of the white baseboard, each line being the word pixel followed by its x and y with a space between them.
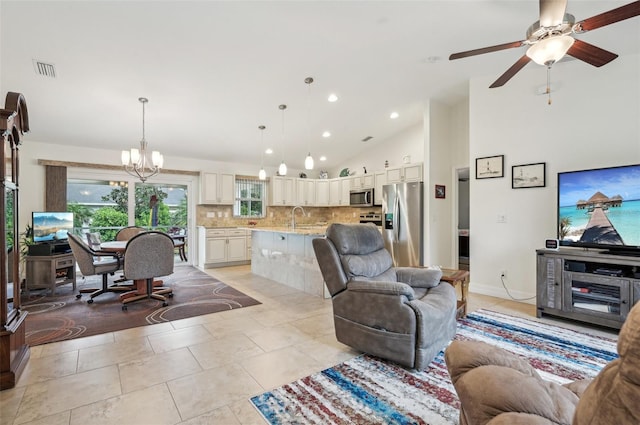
pixel 500 292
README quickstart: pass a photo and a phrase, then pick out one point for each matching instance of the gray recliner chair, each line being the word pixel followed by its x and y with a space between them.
pixel 403 314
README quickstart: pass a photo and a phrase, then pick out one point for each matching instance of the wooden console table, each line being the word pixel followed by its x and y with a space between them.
pixel 50 271
pixel 458 277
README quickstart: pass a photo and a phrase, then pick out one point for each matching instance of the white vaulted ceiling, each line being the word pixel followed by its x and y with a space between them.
pixel 214 71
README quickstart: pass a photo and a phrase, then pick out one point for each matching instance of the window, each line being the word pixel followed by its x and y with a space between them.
pixel 250 198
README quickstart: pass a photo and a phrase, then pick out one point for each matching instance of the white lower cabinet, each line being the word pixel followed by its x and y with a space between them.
pixel 223 246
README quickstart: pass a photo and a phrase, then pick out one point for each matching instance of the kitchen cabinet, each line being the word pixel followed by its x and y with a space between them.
pixel 339 191
pixel 322 193
pixel 306 192
pixel 223 246
pixel 282 191
pixel 365 181
pixel 406 173
pixel 380 178
pixel 217 188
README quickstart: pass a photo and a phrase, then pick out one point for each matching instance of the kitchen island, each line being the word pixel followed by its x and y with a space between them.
pixel 286 255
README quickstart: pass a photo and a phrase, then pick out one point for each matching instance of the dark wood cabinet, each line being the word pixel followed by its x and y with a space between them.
pixel 14 352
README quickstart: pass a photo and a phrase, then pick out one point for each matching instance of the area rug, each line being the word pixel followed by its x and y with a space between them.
pixel 368 390
pixel 62 317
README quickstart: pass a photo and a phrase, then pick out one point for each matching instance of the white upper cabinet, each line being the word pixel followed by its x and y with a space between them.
pixel 380 178
pixel 306 192
pixel 406 173
pixel 217 188
pixel 365 181
pixel 339 191
pixel 322 193
pixel 282 191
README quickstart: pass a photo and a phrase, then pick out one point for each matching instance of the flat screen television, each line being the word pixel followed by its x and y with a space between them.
pixel 600 208
pixel 51 226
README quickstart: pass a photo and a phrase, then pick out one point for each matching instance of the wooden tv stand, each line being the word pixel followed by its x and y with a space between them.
pixel 592 286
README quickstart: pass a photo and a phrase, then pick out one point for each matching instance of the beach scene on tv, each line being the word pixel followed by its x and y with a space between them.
pixel 600 206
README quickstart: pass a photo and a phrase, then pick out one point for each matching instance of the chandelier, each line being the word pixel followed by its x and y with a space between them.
pixel 136 162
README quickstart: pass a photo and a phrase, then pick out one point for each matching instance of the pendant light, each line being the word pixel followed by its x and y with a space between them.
pixel 282 170
pixel 308 161
pixel 262 175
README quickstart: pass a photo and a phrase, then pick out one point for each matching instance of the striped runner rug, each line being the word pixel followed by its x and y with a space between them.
pixel 369 390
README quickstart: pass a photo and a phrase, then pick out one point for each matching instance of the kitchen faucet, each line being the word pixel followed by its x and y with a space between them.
pixel 293 215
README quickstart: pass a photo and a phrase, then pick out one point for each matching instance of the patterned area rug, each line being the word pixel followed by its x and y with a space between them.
pixel 62 317
pixel 368 390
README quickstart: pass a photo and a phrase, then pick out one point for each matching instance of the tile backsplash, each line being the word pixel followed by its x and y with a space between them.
pixel 222 216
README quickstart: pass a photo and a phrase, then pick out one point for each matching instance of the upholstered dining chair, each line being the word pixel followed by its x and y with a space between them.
pixel 128 232
pixel 404 314
pixel 91 263
pixel 148 255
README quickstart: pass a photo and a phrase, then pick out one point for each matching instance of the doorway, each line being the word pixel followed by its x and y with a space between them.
pixel 462 218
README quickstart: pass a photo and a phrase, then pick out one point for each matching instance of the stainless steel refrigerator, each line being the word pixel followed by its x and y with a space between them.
pixel 402 226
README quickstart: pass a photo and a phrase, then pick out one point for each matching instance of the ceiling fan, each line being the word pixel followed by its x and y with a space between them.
pixel 550 38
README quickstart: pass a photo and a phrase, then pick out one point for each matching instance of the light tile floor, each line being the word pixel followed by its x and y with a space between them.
pixel 200 370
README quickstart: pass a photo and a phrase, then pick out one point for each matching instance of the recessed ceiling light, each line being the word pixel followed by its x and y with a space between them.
pixel 332 97
pixel 326 134
pixel 394 115
pixel 269 151
pixel 323 158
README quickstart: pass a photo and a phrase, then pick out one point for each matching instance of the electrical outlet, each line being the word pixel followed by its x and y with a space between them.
pixel 503 274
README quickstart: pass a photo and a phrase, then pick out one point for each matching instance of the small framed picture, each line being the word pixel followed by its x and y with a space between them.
pixel 528 175
pixel 440 191
pixel 490 167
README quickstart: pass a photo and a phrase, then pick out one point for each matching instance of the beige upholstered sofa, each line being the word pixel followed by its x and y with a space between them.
pixel 498 388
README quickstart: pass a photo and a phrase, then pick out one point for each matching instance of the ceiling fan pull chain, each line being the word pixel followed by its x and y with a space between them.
pixel 549 85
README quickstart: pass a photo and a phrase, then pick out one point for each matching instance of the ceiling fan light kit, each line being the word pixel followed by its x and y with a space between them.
pixel 550 38
pixel 550 50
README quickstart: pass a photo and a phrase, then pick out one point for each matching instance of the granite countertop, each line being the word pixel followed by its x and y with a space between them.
pixel 299 230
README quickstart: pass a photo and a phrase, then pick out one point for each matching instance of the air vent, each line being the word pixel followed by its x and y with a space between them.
pixel 366 139
pixel 44 69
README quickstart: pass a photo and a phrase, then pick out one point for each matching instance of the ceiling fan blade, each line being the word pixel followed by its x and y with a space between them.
pixel 614 15
pixel 552 12
pixel 511 72
pixel 486 50
pixel 590 54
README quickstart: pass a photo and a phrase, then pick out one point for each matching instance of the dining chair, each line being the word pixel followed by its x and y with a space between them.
pixel 180 241
pixel 128 232
pixel 148 255
pixel 91 263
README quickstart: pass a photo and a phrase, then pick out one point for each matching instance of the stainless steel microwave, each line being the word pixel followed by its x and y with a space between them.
pixel 361 198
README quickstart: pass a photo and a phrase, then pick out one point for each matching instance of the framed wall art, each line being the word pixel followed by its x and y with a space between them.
pixel 528 175
pixel 440 191
pixel 490 167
